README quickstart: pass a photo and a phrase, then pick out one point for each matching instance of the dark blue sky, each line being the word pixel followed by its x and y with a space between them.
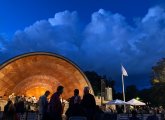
pixel 17 14
pixel 98 35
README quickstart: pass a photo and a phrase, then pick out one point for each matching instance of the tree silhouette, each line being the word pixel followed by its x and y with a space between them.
pixel 158 76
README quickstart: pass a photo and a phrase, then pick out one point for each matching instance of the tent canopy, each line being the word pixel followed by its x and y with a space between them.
pixel 135 102
pixel 116 102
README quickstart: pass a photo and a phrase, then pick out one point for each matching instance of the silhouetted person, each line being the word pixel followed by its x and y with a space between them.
pixel 98 113
pixel 134 116
pixel 76 99
pixel 55 105
pixel 75 109
pixel 153 116
pixel 9 111
pixel 89 104
pixel 21 106
pixel 43 105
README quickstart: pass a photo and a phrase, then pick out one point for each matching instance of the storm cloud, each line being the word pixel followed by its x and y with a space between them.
pixel 107 41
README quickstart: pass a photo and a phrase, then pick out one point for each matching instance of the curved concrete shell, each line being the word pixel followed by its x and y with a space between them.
pixel 33 73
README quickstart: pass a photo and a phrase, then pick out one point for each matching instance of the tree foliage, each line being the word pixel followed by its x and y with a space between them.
pixel 157 96
pixel 158 76
pixel 95 80
pixel 131 92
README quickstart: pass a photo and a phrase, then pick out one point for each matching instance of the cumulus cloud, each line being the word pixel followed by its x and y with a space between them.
pixel 64 18
pixel 102 45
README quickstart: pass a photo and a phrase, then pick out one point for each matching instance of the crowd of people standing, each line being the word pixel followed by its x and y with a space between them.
pixel 53 109
pixel 17 105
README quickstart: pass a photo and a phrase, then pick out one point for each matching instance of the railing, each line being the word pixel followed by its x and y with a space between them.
pixel 34 116
pixel 140 116
pixel 25 116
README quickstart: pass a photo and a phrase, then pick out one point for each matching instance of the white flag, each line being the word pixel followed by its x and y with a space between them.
pixel 124 72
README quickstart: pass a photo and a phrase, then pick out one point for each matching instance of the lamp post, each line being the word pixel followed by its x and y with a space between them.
pixel 102 88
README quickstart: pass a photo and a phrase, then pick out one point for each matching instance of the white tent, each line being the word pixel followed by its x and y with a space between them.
pixel 135 102
pixel 116 102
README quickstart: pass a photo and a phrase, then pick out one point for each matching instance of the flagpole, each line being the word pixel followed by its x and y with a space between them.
pixel 123 92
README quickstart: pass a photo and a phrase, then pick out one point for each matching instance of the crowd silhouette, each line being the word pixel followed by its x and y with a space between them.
pixel 53 109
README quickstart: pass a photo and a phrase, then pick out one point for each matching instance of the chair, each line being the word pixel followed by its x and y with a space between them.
pixel 78 118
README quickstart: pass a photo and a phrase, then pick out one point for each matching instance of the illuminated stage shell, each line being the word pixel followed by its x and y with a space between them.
pixel 33 73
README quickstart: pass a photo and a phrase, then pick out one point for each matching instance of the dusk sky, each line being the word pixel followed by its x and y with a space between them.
pixel 98 35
